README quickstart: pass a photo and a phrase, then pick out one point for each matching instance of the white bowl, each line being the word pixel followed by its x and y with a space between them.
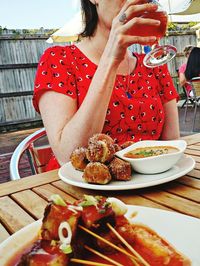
pixel 154 164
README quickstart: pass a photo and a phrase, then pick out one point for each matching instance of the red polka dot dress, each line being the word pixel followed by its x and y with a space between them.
pixel 135 111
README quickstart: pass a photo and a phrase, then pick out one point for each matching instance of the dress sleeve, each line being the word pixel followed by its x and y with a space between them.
pixel 54 73
pixel 166 88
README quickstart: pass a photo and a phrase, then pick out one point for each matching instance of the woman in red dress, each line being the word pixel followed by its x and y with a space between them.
pixel 97 85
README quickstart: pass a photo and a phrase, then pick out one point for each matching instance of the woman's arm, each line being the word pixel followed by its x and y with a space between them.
pixel 171 125
pixel 68 127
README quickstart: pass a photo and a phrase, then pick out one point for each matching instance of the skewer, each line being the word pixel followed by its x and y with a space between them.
pixel 108 242
pixel 88 262
pixel 135 261
pixel 128 245
pixel 103 256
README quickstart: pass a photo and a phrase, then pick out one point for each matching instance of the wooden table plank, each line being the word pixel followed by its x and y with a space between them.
pixel 192 139
pixel 197 166
pixel 192 152
pixel 183 191
pixel 129 197
pixel 47 190
pixel 31 202
pixel 190 181
pixel 75 191
pixel 194 173
pixel 28 182
pixel 140 201
pixel 194 147
pixel 175 202
pixel 197 144
pixel 12 216
pixel 3 233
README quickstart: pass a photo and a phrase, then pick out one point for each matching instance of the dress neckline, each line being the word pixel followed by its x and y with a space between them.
pixel 96 66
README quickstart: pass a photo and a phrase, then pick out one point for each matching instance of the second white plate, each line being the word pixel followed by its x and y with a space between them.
pixel 180 230
pixel 74 177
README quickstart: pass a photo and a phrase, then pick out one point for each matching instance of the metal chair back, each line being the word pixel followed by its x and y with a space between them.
pixel 38 155
pixel 189 100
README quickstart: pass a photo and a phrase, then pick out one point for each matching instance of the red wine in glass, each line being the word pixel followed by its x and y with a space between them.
pixel 161 54
pixel 149 30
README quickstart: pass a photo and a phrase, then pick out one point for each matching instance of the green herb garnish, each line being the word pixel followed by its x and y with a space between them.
pixel 88 201
pixel 146 153
pixel 66 248
pixel 54 243
pixel 58 200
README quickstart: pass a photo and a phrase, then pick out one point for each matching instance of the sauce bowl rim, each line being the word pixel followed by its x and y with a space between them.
pixel 121 153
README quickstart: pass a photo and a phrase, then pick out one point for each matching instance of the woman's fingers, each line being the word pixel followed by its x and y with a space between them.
pixel 139 22
pixel 132 10
pixel 139 10
pixel 134 31
pixel 130 26
pixel 128 40
pixel 137 6
pixel 132 3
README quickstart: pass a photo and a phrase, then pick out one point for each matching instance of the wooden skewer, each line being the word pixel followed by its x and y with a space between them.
pixel 106 241
pixel 128 246
pixel 103 256
pixel 135 261
pixel 88 262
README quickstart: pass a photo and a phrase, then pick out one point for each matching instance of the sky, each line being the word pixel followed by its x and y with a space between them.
pixel 34 14
pixel 49 14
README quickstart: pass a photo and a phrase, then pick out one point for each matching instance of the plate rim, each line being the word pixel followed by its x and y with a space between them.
pixel 129 186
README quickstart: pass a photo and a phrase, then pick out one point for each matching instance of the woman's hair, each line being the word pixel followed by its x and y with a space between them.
pixel 90 18
pixel 187 50
pixel 193 64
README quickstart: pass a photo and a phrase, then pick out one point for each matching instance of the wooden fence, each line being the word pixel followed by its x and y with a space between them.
pixel 19 55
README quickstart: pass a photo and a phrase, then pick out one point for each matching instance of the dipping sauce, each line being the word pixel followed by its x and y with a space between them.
pixel 144 152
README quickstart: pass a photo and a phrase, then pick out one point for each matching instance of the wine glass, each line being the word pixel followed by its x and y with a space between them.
pixel 159 55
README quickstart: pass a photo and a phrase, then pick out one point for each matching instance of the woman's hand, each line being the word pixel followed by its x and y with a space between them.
pixel 122 31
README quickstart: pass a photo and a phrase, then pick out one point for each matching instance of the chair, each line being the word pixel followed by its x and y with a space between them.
pixel 195 82
pixel 38 151
pixel 189 100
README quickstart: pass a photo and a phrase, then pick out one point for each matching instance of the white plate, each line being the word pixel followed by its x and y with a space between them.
pixel 180 230
pixel 18 241
pixel 74 177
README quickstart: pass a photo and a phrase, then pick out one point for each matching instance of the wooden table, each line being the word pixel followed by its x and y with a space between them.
pixel 23 201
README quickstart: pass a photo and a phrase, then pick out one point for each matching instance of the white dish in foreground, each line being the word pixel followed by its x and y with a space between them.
pixel 74 177
pixel 181 231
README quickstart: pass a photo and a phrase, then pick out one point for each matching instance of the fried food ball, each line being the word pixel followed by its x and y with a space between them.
pixel 97 173
pixel 117 147
pixel 100 148
pixel 78 158
pixel 120 170
pixel 101 136
pixel 127 144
